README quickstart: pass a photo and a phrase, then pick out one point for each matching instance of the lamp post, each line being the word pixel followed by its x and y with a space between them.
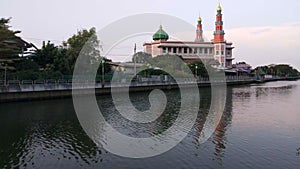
pixel 134 58
pixel 196 71
pixel 5 73
pixel 102 61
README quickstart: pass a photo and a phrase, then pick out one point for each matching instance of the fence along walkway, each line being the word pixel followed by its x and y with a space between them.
pixel 51 84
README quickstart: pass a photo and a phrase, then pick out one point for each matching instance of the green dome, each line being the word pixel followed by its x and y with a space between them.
pixel 160 34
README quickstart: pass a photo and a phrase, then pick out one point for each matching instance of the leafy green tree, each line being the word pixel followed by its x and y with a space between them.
pixel 281 70
pixel 85 43
pixel 285 70
pixel 61 62
pixel 26 64
pixel 9 42
pixel 164 63
pixel 141 57
pixel 45 56
pixel 26 75
pixel 107 67
pixel 198 68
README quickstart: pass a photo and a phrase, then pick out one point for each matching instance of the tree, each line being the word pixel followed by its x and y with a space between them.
pixel 172 64
pixel 61 63
pixel 85 43
pixel 198 68
pixel 141 57
pixel 107 67
pixel 45 56
pixel 281 70
pixel 26 64
pixel 9 46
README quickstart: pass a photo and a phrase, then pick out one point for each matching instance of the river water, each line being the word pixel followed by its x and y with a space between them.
pixel 260 128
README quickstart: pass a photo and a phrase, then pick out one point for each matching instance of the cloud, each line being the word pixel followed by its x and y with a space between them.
pixel 262 30
pixel 268 44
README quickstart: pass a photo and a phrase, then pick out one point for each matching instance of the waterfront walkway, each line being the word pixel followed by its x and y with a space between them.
pixel 51 89
pixel 51 85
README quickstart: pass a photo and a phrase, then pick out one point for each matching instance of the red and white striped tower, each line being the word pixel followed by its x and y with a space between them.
pixel 219 41
pixel 199 31
pixel 219 32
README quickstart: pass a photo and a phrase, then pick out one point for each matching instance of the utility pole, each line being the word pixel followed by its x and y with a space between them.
pixel 134 58
pixel 102 61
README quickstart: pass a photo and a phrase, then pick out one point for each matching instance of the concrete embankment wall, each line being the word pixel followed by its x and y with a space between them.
pixel 56 93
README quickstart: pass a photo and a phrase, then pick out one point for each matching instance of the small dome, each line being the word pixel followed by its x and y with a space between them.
pixel 199 19
pixel 219 8
pixel 160 34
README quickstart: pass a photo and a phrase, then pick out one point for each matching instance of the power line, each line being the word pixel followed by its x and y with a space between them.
pixel 43 39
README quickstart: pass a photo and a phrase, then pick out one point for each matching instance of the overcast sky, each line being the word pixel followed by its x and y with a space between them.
pixel 263 31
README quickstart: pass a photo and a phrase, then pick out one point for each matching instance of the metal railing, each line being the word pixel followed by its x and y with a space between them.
pixel 63 84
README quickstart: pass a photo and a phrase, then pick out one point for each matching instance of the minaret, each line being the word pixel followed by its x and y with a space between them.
pixel 219 32
pixel 199 31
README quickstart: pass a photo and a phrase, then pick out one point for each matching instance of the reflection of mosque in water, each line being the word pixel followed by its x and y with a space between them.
pixel 219 136
pixel 237 98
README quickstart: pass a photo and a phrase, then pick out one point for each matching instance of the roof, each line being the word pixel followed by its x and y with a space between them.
pixel 160 34
pixel 184 43
pixel 126 64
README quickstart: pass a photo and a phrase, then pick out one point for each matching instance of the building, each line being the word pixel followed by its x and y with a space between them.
pixel 218 51
pixel 127 68
pixel 242 65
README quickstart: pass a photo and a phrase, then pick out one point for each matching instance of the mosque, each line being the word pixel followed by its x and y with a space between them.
pixel 218 51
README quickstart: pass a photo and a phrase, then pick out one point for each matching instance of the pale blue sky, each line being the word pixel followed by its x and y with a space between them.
pixel 57 20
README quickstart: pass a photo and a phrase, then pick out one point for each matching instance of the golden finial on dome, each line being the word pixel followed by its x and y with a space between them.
pixel 160 27
pixel 219 8
pixel 199 19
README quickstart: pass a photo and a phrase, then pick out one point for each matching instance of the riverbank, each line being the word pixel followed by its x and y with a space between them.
pixel 29 92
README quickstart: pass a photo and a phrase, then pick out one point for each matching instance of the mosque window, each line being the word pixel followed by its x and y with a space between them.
pixel 185 50
pixel 200 50
pixel 174 50
pixel 164 50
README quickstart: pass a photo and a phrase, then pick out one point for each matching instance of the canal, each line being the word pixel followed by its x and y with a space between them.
pixel 260 128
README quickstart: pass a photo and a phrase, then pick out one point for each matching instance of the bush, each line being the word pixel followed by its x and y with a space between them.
pixel 26 75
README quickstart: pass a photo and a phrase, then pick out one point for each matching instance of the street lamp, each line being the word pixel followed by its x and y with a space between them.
pixel 196 71
pixel 134 58
pixel 5 73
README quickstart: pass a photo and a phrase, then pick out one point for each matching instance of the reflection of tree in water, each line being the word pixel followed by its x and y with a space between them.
pixel 140 101
pixel 284 90
pixel 49 133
